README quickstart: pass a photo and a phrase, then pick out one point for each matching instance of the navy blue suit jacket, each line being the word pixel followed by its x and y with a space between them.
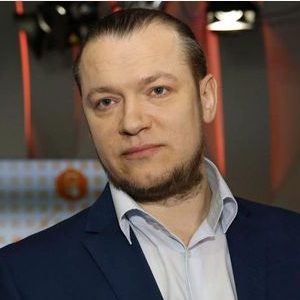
pixel 88 258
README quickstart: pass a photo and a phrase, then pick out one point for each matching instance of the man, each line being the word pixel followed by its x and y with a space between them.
pixel 167 225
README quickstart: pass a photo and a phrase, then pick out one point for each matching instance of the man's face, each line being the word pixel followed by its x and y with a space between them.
pixel 143 107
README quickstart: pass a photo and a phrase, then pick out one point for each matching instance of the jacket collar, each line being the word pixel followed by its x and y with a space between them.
pixel 247 247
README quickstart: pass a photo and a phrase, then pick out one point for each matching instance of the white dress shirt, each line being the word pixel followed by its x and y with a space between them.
pixel 201 270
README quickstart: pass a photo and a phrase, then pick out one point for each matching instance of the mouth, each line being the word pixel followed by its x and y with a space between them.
pixel 144 151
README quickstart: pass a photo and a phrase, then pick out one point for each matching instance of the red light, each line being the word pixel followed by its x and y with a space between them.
pixel 24 53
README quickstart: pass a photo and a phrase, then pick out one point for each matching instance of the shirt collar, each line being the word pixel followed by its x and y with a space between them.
pixel 223 205
pixel 123 204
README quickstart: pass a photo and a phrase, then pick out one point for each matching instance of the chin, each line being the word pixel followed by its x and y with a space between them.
pixel 144 180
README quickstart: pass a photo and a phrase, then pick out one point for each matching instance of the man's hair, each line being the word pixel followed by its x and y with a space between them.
pixel 125 22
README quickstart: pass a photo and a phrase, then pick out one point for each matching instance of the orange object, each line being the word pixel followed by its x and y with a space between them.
pixel 71 185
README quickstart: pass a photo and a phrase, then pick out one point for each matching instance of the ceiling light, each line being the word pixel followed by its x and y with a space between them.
pixel 60 9
pixel 231 15
pixel 42 23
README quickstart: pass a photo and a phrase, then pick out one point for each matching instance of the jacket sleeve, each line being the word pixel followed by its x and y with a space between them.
pixel 8 289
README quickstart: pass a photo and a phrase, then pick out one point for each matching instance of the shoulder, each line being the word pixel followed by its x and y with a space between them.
pixel 50 255
pixel 279 228
pixel 63 240
pixel 50 240
pixel 268 215
pixel 275 236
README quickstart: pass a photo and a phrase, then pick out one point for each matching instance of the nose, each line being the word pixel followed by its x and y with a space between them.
pixel 134 118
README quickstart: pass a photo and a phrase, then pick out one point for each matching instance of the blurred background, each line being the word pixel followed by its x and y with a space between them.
pixel 48 165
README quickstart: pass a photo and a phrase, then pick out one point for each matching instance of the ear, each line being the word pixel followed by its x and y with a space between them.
pixel 208 96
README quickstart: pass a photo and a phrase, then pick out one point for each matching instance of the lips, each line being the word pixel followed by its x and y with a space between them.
pixel 142 151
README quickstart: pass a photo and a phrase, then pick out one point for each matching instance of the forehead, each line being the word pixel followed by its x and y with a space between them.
pixel 158 42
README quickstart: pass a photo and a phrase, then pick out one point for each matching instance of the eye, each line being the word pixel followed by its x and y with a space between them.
pixel 159 91
pixel 104 103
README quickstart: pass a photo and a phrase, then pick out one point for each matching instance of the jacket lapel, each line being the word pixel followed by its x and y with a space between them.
pixel 247 247
pixel 124 265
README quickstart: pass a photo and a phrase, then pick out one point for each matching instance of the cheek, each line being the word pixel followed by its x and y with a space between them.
pixel 186 125
pixel 105 141
pixel 103 135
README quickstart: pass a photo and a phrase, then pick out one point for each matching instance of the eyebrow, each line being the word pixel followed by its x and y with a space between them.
pixel 153 78
pixel 143 81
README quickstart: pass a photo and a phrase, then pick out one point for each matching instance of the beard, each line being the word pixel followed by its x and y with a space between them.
pixel 176 182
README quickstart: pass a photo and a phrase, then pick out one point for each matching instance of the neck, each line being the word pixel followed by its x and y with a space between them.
pixel 183 216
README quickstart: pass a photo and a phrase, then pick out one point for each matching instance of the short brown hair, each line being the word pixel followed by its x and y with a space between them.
pixel 125 22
